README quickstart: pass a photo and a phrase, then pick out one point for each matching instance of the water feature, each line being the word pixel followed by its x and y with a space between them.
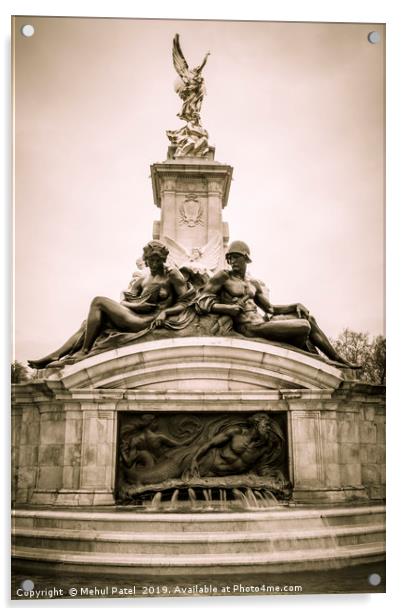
pixel 209 499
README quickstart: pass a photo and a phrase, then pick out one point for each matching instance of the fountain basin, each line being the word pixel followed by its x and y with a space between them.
pixel 282 539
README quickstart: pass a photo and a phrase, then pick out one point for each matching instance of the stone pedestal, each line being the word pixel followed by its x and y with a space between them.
pixel 65 425
pixel 191 193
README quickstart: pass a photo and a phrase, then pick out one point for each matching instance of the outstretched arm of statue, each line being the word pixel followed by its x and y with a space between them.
pixel 262 300
pixel 232 310
pixel 169 312
pixel 299 309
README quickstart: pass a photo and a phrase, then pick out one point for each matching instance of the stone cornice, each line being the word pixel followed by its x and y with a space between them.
pixel 207 170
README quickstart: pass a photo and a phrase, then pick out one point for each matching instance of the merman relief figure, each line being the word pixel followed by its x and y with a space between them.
pixel 248 446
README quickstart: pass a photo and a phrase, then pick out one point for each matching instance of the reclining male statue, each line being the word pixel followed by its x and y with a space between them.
pixel 233 293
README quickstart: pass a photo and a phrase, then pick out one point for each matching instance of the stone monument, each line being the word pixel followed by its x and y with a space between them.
pixel 190 187
pixel 194 426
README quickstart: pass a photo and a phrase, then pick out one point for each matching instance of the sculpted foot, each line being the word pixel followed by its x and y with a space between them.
pixel 60 363
pixel 349 364
pixel 311 348
pixel 343 363
pixel 80 355
pixel 41 363
pixel 354 366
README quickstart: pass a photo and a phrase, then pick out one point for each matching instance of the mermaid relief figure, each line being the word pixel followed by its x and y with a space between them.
pixel 148 454
pixel 232 292
pixel 158 299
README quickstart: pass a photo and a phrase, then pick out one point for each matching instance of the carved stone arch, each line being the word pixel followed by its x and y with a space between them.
pixel 216 363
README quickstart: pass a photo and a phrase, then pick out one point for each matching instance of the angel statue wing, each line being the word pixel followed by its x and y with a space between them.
pixel 202 260
pixel 211 253
pixel 179 60
pixel 178 254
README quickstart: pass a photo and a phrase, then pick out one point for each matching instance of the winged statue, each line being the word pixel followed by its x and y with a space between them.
pixel 190 85
pixel 192 139
pixel 203 260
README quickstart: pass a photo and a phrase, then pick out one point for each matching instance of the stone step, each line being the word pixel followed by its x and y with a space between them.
pixel 275 519
pixel 165 564
pixel 197 542
pixel 278 539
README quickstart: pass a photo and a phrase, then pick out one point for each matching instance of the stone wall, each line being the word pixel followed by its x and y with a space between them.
pixel 25 439
pixel 65 440
pixel 372 449
pixel 348 458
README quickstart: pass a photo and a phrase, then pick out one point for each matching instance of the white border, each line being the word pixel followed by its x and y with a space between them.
pixel 286 10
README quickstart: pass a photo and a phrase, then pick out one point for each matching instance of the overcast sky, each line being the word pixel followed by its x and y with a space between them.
pixel 296 109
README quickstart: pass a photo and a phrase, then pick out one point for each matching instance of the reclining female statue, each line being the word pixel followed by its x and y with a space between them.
pixel 233 293
pixel 160 298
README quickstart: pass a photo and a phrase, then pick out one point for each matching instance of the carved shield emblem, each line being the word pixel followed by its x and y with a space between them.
pixel 191 212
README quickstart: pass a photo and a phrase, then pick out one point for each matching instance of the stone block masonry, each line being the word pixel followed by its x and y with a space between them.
pixel 65 427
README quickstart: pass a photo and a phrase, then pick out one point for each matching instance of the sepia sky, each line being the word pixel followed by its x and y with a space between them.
pixel 296 109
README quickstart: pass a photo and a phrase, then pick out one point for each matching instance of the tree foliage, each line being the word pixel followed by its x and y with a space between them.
pixel 359 348
pixel 19 372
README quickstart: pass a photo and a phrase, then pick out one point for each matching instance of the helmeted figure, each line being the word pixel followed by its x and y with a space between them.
pixel 233 293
